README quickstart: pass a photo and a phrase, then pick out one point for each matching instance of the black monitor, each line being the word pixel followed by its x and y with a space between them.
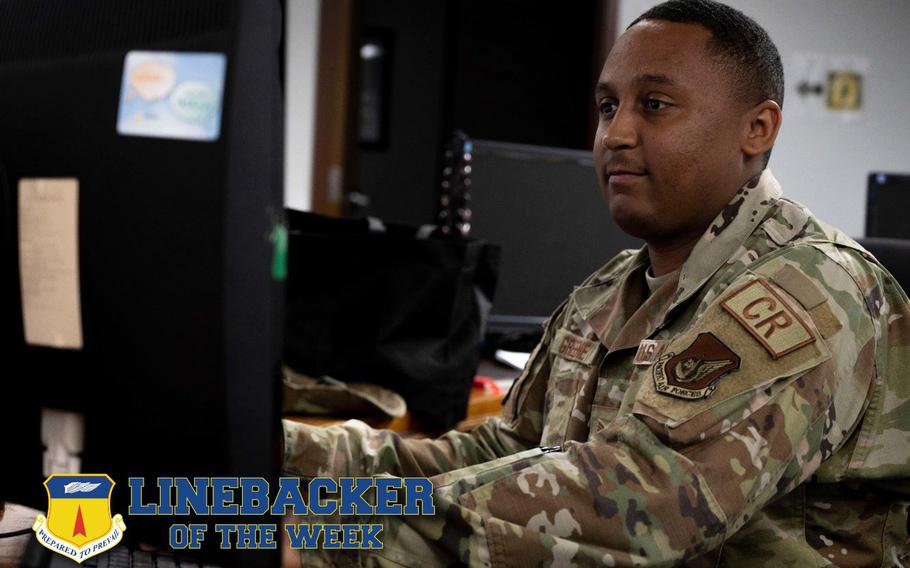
pixel 170 349
pixel 544 206
pixel 887 203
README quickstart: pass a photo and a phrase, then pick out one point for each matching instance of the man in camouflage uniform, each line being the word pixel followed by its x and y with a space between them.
pixel 735 393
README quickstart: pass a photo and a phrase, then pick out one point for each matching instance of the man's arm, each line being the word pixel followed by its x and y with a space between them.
pixel 668 483
pixel 355 449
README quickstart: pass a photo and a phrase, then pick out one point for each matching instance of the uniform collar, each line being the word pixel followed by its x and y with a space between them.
pixel 727 233
pixel 724 236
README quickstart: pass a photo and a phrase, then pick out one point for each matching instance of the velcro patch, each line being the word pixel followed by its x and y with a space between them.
pixel 768 318
pixel 693 373
pixel 649 351
pixel 799 286
pixel 575 348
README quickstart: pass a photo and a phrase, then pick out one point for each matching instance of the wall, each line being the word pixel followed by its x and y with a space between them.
pixel 301 46
pixel 823 161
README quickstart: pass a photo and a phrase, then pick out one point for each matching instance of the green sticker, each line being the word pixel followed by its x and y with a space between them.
pixel 279 240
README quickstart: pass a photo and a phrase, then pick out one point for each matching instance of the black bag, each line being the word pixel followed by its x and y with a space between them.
pixel 389 308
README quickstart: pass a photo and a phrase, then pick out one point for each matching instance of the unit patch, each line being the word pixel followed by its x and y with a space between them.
pixel 694 372
pixel 768 318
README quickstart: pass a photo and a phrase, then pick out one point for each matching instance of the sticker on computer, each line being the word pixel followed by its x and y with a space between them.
pixel 172 95
pixel 79 523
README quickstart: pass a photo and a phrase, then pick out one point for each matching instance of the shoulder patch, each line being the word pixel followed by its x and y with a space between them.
pixel 757 369
pixel 575 348
pixel 694 372
pixel 768 318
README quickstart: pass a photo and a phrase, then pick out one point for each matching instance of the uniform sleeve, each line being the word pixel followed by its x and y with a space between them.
pixel 668 482
pixel 355 449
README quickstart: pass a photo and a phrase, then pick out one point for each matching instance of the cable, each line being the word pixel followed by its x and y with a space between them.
pixel 15 533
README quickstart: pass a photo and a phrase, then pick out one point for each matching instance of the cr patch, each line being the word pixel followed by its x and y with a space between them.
pixel 768 318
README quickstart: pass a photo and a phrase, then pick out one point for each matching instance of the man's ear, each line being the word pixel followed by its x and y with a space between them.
pixel 760 127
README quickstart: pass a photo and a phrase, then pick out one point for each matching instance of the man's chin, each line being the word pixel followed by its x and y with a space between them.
pixel 633 223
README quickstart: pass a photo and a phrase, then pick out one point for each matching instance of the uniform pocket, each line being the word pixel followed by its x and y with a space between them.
pixel 572 368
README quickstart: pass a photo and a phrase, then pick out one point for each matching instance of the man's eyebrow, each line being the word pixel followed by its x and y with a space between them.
pixel 655 78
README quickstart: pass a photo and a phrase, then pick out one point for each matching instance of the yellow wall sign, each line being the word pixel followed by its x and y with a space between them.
pixel 845 91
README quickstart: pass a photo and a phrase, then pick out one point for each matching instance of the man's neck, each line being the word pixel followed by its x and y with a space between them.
pixel 669 257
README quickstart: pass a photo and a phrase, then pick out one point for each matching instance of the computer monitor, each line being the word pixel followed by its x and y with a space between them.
pixel 544 206
pixel 146 284
pixel 887 203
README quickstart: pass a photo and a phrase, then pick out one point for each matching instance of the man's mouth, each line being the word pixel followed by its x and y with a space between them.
pixel 618 172
pixel 621 176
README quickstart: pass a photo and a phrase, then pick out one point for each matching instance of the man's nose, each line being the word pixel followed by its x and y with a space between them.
pixel 622 130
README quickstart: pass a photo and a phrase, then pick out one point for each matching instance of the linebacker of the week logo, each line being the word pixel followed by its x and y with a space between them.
pixel 78 522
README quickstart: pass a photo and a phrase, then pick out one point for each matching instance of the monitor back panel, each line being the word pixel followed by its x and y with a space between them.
pixel 887 205
pixel 544 206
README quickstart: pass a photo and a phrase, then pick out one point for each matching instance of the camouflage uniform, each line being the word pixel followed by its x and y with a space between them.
pixel 765 423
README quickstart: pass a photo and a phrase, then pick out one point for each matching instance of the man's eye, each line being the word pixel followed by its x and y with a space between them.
pixel 655 104
pixel 607 108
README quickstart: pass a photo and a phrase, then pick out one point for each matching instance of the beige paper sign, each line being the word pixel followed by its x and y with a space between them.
pixel 49 262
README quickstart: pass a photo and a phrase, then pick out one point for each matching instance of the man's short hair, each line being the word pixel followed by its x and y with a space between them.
pixel 740 44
